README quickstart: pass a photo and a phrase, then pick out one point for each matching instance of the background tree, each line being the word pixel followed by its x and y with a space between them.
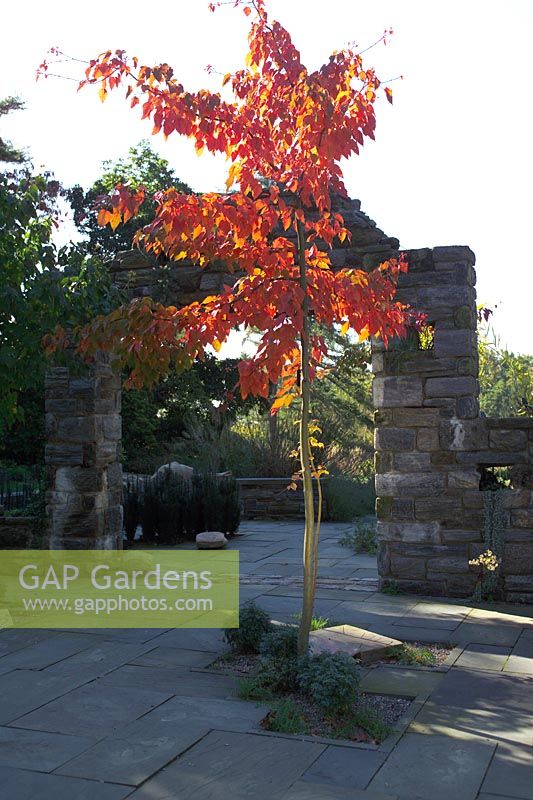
pixel 291 127
pixel 9 153
pixel 141 167
pixel 505 378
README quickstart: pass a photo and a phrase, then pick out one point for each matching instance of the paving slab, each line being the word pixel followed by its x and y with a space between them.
pixel 511 772
pixel 175 681
pixel 487 657
pixel 479 632
pixel 521 658
pixel 411 633
pixel 133 760
pixel 18 784
pixel 205 639
pixel 174 657
pixel 303 790
pixel 400 681
pixel 345 766
pixel 496 724
pixel 12 640
pixel 475 689
pixel 23 691
pixel 95 709
pixel 38 750
pixel 232 765
pixel 99 659
pixel 434 767
pixel 49 651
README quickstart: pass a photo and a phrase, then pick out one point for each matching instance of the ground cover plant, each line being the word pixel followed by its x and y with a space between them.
pixel 316 695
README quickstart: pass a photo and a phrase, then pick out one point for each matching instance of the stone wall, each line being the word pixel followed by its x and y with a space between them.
pixel 431 443
pixel 270 498
pixel 84 474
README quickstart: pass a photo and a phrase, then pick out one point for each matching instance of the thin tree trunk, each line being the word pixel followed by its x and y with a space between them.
pixel 309 555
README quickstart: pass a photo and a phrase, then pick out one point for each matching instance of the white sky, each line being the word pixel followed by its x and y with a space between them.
pixel 451 163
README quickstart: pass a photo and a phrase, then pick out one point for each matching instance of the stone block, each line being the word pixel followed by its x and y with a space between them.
pixel 454 536
pixel 441 458
pixel 417 485
pixel 356 642
pixel 77 429
pixel 454 564
pixel 508 440
pixel 467 407
pixel 522 517
pixel 412 568
pixel 411 462
pixel 79 479
pixel 397 391
pixel 64 454
pixel 463 434
pixel 416 417
pixel 378 363
pixel 451 387
pixel 453 253
pixel 394 439
pixel 464 479
pixel 409 532
pixel 454 343
pixel 490 458
pixel 384 417
pixel 420 260
pixel 448 297
pixel 468 366
pixel 427 440
pixel 112 427
pixel 383 462
pixel 518 558
pixel 447 510
pixel 211 540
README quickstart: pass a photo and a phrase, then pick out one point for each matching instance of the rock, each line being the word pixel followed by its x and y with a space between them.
pixel 210 540
pixel 183 470
pixel 366 645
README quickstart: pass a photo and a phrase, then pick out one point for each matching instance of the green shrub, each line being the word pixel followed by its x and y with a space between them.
pixel 363 539
pixel 255 688
pixel 254 625
pixel 280 664
pixel 414 654
pixel 332 681
pixel 347 498
pixel 286 718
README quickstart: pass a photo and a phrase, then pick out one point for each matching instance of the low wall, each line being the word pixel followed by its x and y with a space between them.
pixel 270 498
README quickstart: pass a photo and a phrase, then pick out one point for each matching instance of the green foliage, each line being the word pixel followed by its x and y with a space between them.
pixel 280 665
pixel 391 588
pixel 367 718
pixel 362 539
pixel 505 378
pixel 414 654
pixel 8 153
pixel 332 681
pixel 141 167
pixel 347 498
pixel 254 624
pixel 286 717
pixel 255 688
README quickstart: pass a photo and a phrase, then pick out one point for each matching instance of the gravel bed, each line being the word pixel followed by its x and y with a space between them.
pixel 389 707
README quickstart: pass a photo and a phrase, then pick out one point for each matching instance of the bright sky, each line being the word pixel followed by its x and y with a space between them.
pixel 452 159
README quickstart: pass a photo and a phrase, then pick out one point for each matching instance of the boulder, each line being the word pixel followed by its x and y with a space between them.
pixel 183 470
pixel 210 540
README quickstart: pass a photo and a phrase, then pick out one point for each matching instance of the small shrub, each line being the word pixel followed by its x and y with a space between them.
pixel 255 688
pixel 415 654
pixel 363 539
pixel 280 665
pixel 254 625
pixel 332 681
pixel 317 623
pixel 391 588
pixel 285 718
pixel 369 720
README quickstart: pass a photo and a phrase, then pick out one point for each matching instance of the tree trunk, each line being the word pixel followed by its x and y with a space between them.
pixel 310 543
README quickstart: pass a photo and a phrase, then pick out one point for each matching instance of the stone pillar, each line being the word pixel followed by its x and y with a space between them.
pixel 84 473
pixel 426 396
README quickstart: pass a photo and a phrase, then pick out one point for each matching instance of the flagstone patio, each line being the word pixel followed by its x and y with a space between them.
pixel 108 714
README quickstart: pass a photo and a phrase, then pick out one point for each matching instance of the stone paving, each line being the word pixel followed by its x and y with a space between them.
pixel 133 713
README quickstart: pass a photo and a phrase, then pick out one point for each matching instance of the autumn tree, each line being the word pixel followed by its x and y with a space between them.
pixel 286 128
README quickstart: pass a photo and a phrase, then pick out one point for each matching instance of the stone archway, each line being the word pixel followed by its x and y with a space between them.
pixel 430 440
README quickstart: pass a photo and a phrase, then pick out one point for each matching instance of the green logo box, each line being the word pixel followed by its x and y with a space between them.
pixel 119 589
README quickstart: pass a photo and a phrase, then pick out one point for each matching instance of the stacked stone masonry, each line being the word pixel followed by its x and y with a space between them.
pixel 432 444
pixel 84 473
